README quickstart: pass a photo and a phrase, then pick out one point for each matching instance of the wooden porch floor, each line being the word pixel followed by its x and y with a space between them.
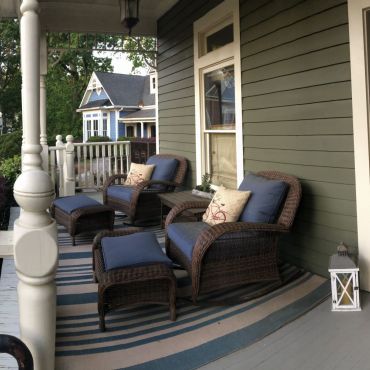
pixel 320 339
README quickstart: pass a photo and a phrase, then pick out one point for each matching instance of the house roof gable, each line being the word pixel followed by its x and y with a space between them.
pixel 126 90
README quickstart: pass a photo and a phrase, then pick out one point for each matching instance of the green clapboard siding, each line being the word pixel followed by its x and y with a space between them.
pixel 176 110
pixel 297 116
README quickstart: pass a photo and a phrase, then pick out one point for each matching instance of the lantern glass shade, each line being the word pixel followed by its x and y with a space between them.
pixel 129 13
pixel 345 291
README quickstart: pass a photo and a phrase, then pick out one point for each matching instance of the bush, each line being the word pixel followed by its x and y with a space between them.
pixel 98 139
pixel 10 169
pixel 125 138
pixel 10 145
pixel 5 203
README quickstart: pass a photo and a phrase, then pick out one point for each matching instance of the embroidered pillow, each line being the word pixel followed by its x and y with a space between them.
pixel 139 173
pixel 226 206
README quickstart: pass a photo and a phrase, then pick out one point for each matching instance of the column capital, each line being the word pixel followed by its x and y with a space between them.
pixel 29 6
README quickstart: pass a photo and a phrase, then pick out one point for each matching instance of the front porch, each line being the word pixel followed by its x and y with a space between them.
pixel 288 67
pixel 318 340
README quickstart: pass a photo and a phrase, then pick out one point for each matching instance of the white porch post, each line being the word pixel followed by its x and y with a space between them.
pixel 43 73
pixel 35 247
pixel 142 129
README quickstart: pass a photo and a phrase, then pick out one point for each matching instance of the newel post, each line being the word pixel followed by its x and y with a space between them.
pixel 35 246
pixel 69 167
pixel 60 164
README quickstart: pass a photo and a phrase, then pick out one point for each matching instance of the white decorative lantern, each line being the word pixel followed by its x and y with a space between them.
pixel 344 281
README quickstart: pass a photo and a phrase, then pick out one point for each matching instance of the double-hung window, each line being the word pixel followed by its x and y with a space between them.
pixel 218 95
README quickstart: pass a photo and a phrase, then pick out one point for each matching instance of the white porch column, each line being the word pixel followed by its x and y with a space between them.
pixel 43 73
pixel 35 247
pixel 142 129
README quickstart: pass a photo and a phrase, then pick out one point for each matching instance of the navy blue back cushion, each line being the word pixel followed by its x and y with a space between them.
pixel 165 170
pixel 137 249
pixel 73 202
pixel 266 199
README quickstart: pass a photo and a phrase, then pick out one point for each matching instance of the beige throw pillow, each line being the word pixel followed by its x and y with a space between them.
pixel 139 173
pixel 226 206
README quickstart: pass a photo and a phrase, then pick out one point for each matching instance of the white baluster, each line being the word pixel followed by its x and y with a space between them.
pixel 110 159
pixel 91 157
pixel 115 158
pixel 69 167
pixel 79 166
pixel 121 152
pixel 97 154
pixel 103 149
pixel 128 156
pixel 85 166
pixel 52 165
pixel 35 247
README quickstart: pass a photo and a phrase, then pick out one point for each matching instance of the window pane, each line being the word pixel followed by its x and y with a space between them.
pixel 220 38
pixel 219 91
pixel 222 159
pixel 96 127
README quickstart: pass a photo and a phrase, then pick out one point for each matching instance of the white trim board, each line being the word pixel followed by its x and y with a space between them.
pixel 227 10
pixel 360 132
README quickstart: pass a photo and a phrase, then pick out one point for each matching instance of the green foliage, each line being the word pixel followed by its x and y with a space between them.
pixel 10 169
pixel 10 144
pixel 125 138
pixel 143 52
pixel 98 139
pixel 68 75
pixel 206 183
pixel 10 73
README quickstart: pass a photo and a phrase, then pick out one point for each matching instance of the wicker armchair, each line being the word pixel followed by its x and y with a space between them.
pixel 234 253
pixel 143 203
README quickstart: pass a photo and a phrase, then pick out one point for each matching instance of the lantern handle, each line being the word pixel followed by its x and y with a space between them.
pixel 342 249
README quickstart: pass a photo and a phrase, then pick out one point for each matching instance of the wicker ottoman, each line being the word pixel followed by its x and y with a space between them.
pixel 131 269
pixel 79 213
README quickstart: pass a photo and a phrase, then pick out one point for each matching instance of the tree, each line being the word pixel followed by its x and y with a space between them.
pixel 68 75
pixel 10 73
pixel 69 72
pixel 143 52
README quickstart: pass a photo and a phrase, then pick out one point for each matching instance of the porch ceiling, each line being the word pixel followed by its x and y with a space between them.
pixel 91 16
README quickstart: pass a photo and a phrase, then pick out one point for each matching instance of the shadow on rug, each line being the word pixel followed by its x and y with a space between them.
pixel 143 337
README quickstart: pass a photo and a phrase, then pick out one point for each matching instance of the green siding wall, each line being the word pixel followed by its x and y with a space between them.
pixel 297 116
pixel 176 80
pixel 296 109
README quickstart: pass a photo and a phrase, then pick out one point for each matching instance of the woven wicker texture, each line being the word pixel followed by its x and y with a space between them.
pixel 236 253
pixel 144 203
pixel 149 284
pixel 84 219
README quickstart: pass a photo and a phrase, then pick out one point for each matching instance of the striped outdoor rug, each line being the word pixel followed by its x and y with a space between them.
pixel 144 337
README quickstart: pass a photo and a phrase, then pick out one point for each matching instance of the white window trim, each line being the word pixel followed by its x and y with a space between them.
pixel 360 133
pixel 227 9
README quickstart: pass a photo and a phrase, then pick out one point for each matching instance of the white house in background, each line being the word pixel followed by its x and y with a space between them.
pixel 117 105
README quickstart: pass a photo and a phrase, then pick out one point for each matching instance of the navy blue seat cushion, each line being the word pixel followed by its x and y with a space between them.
pixel 74 202
pixel 185 234
pixel 132 250
pixel 266 199
pixel 164 170
pixel 120 192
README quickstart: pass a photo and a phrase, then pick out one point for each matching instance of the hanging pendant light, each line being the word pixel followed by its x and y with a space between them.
pixel 129 13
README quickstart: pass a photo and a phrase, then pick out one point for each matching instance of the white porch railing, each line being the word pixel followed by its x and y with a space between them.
pixel 86 165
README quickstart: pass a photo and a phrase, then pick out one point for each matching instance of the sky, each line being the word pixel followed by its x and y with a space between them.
pixel 121 64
